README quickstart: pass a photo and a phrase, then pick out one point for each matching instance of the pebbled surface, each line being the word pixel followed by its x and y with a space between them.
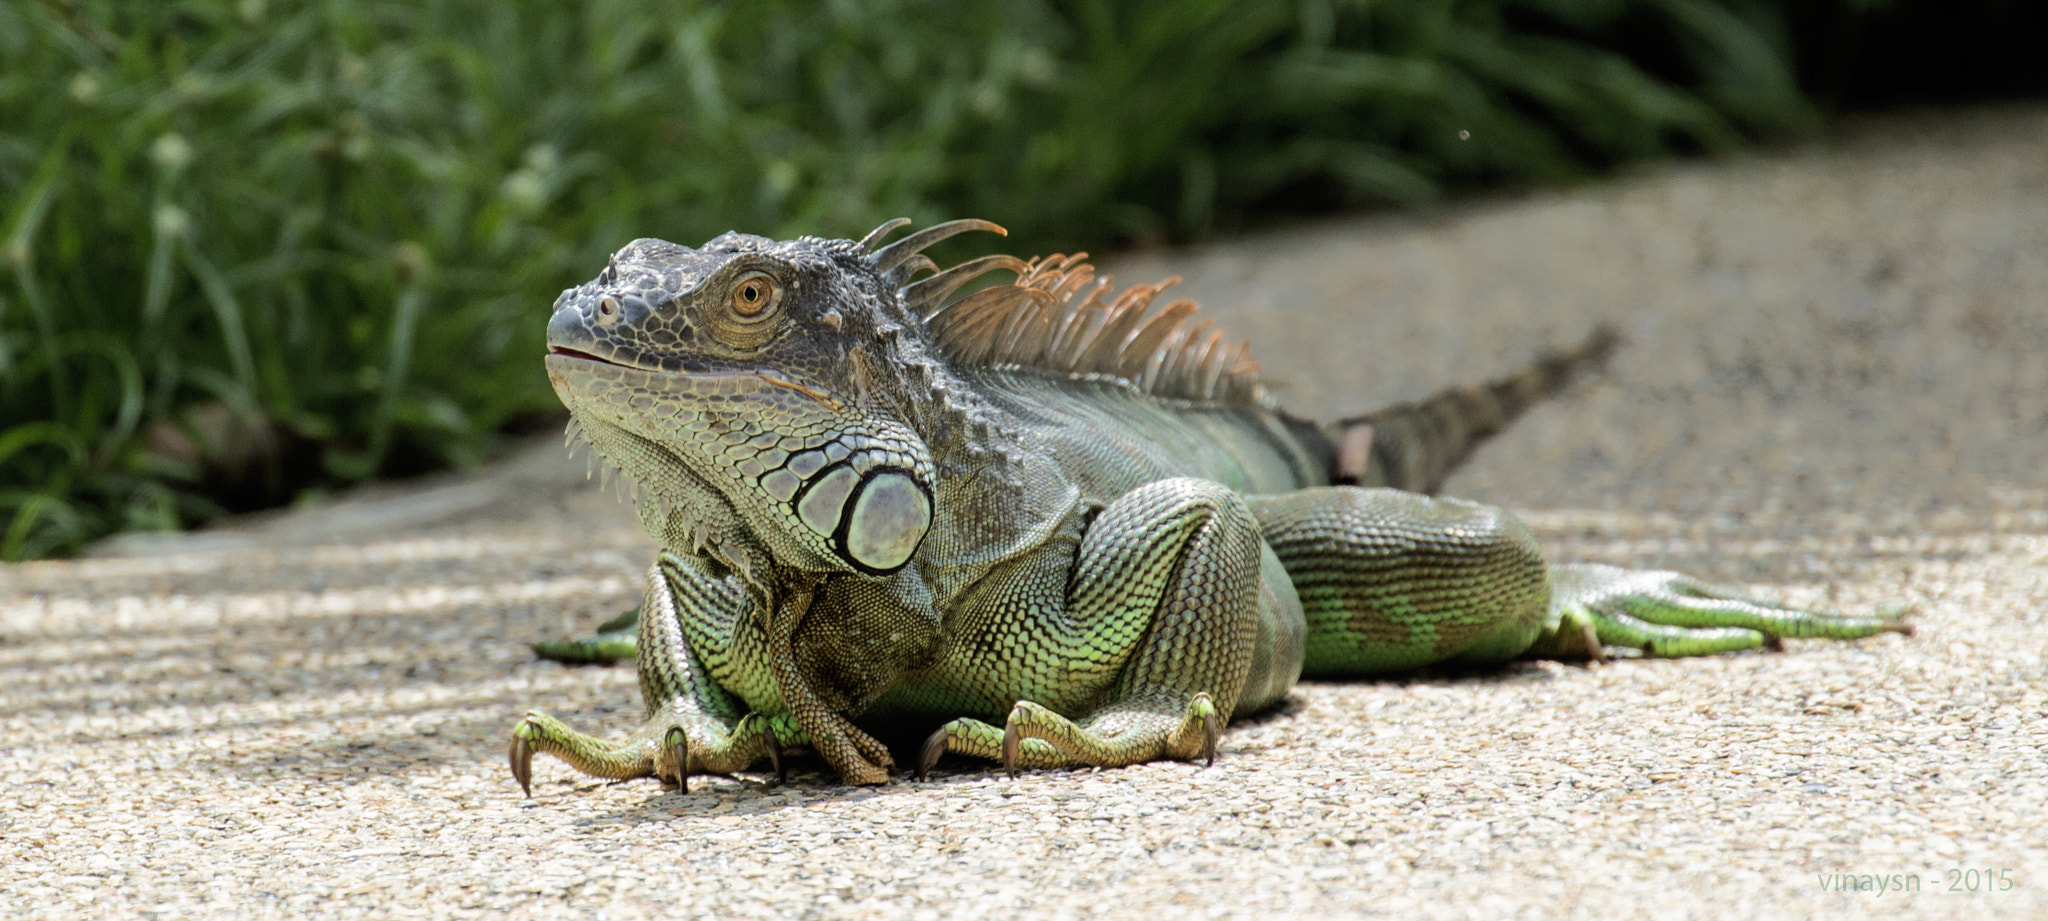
pixel 1835 390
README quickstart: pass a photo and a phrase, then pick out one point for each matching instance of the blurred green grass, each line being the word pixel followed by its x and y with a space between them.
pixel 256 250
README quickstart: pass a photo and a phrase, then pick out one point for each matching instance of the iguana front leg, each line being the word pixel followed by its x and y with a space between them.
pixel 858 757
pixel 692 725
pixel 615 640
pixel 1167 583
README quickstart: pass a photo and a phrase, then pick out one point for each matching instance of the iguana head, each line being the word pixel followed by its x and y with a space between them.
pixel 752 379
pixel 798 391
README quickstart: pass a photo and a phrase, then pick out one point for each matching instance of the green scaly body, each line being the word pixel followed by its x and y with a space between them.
pixel 1073 530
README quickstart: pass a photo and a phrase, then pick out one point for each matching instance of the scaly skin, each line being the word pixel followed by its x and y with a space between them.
pixel 1076 533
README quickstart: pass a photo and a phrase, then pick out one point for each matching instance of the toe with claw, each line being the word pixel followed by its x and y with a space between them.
pixel 677 744
pixel 521 757
pixel 928 754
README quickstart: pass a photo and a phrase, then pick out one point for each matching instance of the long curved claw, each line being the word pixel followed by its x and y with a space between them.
pixel 1012 742
pixel 1200 731
pixel 1894 614
pixel 928 755
pixel 750 728
pixel 775 758
pixel 1594 650
pixel 521 756
pixel 678 745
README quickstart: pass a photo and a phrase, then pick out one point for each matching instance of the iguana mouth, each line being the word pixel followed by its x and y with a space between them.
pixel 767 376
pixel 567 352
pixel 574 353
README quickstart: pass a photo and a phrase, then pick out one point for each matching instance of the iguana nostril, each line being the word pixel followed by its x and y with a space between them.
pixel 608 307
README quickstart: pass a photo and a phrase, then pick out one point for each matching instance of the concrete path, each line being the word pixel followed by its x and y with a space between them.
pixel 1835 390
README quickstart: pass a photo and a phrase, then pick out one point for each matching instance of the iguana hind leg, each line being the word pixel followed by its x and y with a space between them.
pixel 1168 575
pixel 1391 580
pixel 692 726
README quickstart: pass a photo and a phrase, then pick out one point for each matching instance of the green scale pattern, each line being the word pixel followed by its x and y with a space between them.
pixel 1105 572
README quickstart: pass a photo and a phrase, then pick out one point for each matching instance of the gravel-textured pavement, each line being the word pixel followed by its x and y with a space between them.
pixel 1835 390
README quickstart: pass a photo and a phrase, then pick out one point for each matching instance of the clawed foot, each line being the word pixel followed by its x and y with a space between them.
pixel 1036 737
pixel 541 732
pixel 1669 615
pixel 521 757
pixel 660 748
pixel 615 640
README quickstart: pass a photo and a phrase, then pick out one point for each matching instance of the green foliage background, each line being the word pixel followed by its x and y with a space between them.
pixel 315 242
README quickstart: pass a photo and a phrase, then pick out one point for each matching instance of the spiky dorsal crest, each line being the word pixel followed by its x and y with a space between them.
pixel 1059 316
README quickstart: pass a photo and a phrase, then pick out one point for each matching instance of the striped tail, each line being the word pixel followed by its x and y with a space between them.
pixel 1415 446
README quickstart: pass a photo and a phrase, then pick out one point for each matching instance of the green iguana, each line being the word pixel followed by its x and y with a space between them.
pixel 1077 530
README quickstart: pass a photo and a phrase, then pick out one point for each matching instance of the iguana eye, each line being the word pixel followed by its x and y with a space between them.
pixel 754 296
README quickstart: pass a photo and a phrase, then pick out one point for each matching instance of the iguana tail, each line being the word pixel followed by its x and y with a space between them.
pixel 1415 446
